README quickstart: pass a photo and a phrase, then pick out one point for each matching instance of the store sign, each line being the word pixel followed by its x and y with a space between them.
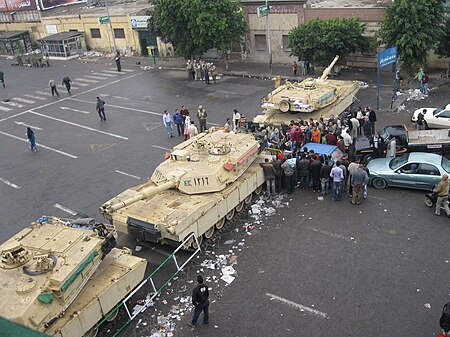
pixel 103 20
pixel 47 4
pixel 263 11
pixel 17 5
pixel 139 21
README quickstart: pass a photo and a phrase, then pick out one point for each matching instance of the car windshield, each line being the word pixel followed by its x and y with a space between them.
pixel 446 164
pixel 399 161
pixel 435 112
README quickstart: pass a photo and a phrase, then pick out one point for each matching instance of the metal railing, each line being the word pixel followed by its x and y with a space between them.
pixel 149 279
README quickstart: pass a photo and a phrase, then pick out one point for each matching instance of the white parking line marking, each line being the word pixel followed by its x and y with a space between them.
pixel 80 111
pixel 125 70
pixel 13 104
pixel 162 148
pixel 298 306
pixel 128 175
pixel 103 74
pixel 120 107
pixel 338 236
pixel 65 209
pixel 120 97
pixel 13 116
pixel 40 145
pixel 96 77
pixel 10 183
pixel 84 80
pixel 31 126
pixel 4 108
pixel 74 88
pixel 82 84
pixel 29 101
pixel 113 72
pixel 35 97
pixel 78 125
pixel 43 93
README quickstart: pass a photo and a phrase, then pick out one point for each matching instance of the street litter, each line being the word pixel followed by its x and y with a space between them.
pixel 228 278
pixel 427 305
pixel 138 248
pixel 363 85
pixel 228 270
pixel 415 95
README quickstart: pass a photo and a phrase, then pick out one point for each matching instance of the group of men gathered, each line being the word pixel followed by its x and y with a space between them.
pixel 201 71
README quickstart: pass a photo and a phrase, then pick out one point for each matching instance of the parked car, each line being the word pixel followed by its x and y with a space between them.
pixel 434 117
pixel 418 170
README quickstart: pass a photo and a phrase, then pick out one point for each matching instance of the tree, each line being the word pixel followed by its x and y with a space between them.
pixel 319 41
pixel 414 26
pixel 194 26
pixel 443 47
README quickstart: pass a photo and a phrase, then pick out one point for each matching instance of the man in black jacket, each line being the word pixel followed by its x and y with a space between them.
pixel 200 300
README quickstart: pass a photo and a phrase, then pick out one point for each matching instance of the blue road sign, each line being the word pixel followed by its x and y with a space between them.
pixel 387 56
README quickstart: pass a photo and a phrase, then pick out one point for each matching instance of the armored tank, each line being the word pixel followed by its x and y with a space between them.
pixel 61 276
pixel 316 97
pixel 204 181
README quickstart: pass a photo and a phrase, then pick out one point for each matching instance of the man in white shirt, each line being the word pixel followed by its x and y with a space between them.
pixel 167 120
pixel 236 118
pixel 192 130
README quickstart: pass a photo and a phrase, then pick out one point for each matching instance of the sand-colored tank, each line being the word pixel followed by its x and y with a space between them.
pixel 62 276
pixel 317 97
pixel 205 180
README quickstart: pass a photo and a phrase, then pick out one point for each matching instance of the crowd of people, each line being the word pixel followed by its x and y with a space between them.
pixel 296 166
pixel 201 71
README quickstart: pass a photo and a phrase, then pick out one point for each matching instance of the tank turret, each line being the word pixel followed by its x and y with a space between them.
pixel 202 180
pixel 46 268
pixel 206 163
pixel 310 95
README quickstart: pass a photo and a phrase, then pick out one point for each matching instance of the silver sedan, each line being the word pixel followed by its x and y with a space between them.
pixel 418 170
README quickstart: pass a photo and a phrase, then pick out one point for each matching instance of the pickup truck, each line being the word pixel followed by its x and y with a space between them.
pixel 432 141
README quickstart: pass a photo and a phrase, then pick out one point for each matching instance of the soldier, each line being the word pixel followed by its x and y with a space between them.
pixel 213 72
pixel 201 114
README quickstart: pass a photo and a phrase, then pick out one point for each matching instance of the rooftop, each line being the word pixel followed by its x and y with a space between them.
pixel 61 36
pixel 97 8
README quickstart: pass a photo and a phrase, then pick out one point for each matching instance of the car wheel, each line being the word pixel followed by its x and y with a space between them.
pixel 425 125
pixel 379 183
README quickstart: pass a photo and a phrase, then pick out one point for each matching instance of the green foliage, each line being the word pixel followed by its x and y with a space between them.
pixel 415 26
pixel 319 41
pixel 194 26
pixel 443 47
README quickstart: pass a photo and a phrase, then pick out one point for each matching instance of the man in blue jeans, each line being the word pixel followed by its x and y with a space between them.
pixel 338 178
pixel 200 300
pixel 167 120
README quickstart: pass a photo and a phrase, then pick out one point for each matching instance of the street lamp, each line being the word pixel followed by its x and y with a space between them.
pixel 268 38
pixel 110 26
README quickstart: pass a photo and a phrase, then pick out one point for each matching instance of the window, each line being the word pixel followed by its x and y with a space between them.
pixel 428 169
pixel 119 33
pixel 260 42
pixel 445 114
pixel 34 29
pixel 286 43
pixel 95 33
pixel 73 30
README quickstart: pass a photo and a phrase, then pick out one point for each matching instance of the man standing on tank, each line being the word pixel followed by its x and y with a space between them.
pixel 200 300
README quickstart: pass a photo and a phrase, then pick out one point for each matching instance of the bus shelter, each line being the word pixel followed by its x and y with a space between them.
pixel 14 42
pixel 63 46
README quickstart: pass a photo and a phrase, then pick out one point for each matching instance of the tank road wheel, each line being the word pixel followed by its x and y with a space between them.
pixel 199 239
pixel 113 316
pixel 259 190
pixel 379 183
pixel 240 206
pixel 230 214
pixel 219 224
pixel 284 106
pixel 209 233
pixel 92 332
pixel 248 199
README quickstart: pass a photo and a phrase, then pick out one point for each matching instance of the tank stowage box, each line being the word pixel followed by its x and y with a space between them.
pixel 203 182
pixel 61 277
pixel 317 97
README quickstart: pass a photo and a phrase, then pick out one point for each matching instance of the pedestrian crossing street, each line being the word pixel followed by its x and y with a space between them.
pixel 39 96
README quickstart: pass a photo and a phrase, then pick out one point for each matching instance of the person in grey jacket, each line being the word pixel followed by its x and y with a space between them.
pixel 358 179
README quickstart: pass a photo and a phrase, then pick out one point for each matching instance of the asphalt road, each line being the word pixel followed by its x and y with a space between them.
pixel 302 276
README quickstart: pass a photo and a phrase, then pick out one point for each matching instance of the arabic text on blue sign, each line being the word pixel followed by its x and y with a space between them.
pixel 387 56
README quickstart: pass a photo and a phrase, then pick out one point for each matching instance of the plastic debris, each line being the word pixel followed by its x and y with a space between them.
pixel 138 248
pixel 228 278
pixel 363 85
pixel 427 305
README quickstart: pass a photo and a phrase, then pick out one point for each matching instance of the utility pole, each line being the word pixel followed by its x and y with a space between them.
pixel 269 43
pixel 110 26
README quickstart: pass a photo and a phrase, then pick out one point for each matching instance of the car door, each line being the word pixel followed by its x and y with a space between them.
pixel 405 176
pixel 427 176
pixel 442 119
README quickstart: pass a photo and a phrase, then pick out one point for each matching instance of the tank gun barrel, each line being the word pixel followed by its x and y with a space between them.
pixel 327 70
pixel 145 193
